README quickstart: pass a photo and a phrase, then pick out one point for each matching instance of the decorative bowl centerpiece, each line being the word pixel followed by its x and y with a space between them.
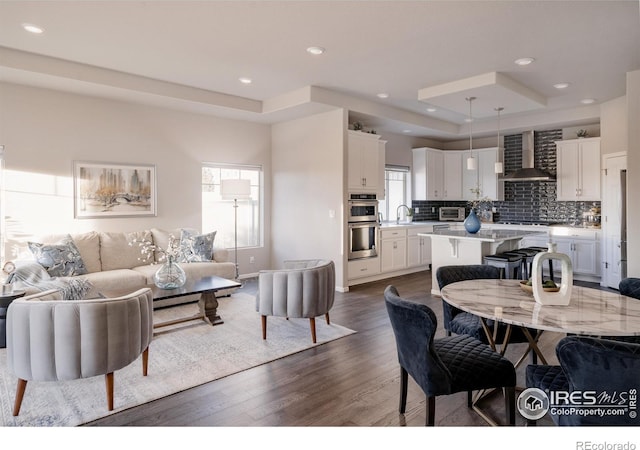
pixel 547 288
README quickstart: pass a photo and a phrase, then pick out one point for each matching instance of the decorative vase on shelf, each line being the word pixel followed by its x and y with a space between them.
pixel 472 222
pixel 170 275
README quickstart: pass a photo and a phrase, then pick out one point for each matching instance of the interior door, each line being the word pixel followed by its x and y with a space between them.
pixel 611 220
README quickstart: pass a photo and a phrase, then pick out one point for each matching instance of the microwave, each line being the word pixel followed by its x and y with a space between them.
pixel 451 214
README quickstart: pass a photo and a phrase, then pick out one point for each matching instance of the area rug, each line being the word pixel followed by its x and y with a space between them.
pixel 180 357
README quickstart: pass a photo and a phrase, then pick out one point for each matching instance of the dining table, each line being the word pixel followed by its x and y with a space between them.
pixel 591 311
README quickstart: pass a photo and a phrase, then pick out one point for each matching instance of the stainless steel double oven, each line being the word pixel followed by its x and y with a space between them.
pixel 363 226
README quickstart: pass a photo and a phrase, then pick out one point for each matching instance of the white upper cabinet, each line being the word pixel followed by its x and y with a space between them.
pixel 484 177
pixel 578 169
pixel 366 154
pixel 437 174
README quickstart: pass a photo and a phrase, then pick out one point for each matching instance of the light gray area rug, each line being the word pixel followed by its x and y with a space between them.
pixel 180 357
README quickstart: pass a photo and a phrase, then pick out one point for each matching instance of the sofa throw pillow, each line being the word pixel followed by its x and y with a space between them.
pixel 196 247
pixel 60 260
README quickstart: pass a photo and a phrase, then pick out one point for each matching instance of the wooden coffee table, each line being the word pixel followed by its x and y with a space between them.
pixel 208 303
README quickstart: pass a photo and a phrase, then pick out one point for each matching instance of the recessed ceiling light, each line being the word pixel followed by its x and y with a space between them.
pixel 315 50
pixel 406 131
pixel 561 85
pixel 245 80
pixel 31 28
pixel 431 110
pixel 524 61
pixel 587 101
pixel 383 95
pixel 468 119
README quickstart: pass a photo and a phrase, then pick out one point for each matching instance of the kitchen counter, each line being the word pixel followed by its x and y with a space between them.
pixel 484 235
pixel 456 247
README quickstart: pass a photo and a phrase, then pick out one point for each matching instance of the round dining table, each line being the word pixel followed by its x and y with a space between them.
pixel 593 312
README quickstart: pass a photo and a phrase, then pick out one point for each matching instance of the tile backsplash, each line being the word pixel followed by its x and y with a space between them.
pixel 526 202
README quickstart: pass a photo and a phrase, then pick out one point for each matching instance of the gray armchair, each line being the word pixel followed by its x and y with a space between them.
pixel 303 289
pixel 51 339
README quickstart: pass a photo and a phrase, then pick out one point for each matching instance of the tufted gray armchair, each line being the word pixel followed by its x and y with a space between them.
pixel 51 339
pixel 303 289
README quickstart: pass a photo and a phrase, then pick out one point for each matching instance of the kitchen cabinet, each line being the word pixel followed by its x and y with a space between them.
pixel 361 268
pixel 436 174
pixel 578 162
pixel 584 250
pixel 393 249
pixel 366 156
pixel 418 247
pixel 484 177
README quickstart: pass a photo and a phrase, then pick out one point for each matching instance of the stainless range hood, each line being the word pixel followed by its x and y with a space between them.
pixel 528 171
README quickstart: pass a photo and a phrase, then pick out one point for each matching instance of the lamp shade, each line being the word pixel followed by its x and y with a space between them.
pixel 232 189
pixel 472 163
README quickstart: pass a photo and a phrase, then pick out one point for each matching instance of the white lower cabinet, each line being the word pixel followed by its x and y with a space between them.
pixel 361 268
pixel 393 249
pixel 584 251
pixel 418 247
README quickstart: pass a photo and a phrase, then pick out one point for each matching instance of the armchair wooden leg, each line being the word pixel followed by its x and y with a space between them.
pixel 404 379
pixel 312 324
pixel 326 316
pixel 22 386
pixel 431 411
pixel 264 327
pixel 145 361
pixel 469 399
pixel 108 379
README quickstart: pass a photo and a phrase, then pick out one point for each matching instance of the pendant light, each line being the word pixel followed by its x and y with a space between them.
pixel 472 163
pixel 498 166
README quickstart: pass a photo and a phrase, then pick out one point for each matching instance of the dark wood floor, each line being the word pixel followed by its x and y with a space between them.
pixel 353 381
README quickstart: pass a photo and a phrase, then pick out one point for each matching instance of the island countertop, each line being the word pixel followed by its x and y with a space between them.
pixel 492 235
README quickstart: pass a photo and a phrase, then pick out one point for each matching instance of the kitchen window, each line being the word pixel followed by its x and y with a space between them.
pixel 218 214
pixel 396 182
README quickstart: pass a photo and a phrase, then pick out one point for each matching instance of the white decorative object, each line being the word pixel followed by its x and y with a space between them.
pixel 563 296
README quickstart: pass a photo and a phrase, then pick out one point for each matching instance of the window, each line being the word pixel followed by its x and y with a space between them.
pixel 219 215
pixel 396 179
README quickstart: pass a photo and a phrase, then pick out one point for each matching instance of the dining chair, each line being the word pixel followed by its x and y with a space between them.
pixel 590 364
pixel 447 365
pixel 461 322
pixel 629 287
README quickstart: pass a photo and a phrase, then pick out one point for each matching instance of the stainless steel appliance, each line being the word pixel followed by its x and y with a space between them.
pixel 363 240
pixel 451 214
pixel 623 224
pixel 363 208
pixel 363 226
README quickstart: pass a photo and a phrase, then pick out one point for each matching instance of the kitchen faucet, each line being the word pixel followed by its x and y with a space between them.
pixel 398 212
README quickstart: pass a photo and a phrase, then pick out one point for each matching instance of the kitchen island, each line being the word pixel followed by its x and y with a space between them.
pixel 456 247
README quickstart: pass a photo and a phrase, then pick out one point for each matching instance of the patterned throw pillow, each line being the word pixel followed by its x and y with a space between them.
pixel 196 247
pixel 60 260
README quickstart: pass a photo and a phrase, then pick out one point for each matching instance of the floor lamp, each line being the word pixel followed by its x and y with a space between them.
pixel 235 189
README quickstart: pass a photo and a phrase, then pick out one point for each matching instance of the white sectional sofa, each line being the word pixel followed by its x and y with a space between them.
pixel 113 265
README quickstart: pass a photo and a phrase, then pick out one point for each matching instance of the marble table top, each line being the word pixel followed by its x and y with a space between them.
pixel 495 235
pixel 591 311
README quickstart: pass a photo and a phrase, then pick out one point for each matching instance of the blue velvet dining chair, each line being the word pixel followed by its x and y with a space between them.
pixel 460 322
pixel 629 287
pixel 447 365
pixel 590 364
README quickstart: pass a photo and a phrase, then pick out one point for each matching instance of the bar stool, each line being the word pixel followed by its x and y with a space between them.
pixel 527 260
pixel 530 260
pixel 509 263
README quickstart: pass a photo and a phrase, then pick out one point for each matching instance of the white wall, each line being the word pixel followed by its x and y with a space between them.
pixel 633 172
pixel 613 124
pixel 44 131
pixel 308 168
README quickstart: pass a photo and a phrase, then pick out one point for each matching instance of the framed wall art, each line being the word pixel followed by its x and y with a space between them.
pixel 113 190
